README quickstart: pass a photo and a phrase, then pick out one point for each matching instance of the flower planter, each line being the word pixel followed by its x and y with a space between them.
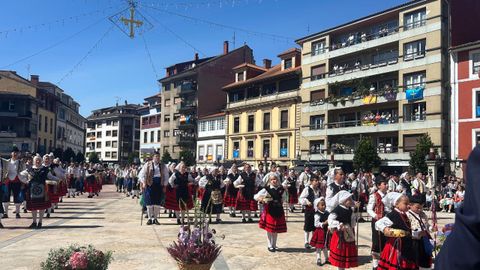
pixel 184 266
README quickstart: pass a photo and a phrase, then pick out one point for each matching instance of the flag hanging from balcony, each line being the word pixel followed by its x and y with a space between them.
pixel 370 99
pixel 235 153
pixel 414 93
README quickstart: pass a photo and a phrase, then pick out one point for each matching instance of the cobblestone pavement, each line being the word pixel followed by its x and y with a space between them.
pixel 112 222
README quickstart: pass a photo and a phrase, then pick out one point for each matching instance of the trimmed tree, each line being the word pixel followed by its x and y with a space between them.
pixel 68 155
pixel 79 158
pixel 58 152
pixel 366 157
pixel 93 158
pixel 187 157
pixel 417 158
pixel 166 157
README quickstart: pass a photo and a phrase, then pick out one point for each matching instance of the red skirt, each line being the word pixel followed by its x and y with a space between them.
pixel 293 198
pixel 319 238
pixel 243 204
pixel 390 260
pixel 272 224
pixel 229 200
pixel 63 188
pixel 200 193
pixel 91 187
pixel 53 193
pixel 342 254
pixel 171 202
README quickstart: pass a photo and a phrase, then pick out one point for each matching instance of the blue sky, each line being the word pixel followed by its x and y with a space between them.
pixel 119 67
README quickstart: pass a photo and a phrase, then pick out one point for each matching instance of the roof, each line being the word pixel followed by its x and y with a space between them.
pixel 473 44
pixel 289 51
pixel 207 60
pixel 157 95
pixel 13 75
pixel 272 73
pixel 408 3
pixel 212 115
pixel 250 65
pixel 15 94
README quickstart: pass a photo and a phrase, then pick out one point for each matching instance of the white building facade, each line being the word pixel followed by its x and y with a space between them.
pixel 150 131
pixel 211 139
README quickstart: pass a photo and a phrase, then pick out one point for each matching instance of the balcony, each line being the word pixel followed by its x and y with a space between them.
pixel 187 124
pixel 8 134
pixel 187 106
pixel 27 114
pixel 263 99
pixel 187 88
pixel 186 141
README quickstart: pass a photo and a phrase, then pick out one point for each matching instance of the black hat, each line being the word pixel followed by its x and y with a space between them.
pixel 15 148
pixel 416 199
pixel 380 179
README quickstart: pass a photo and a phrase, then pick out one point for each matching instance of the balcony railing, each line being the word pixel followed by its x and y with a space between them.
pixel 338 148
pixel 412 25
pixel 366 121
pixel 8 134
pixel 187 106
pixel 188 87
pixel 354 39
pixel 345 69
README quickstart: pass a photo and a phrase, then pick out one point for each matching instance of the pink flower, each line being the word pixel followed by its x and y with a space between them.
pixel 78 260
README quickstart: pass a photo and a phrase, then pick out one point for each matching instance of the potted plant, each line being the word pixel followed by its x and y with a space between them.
pixel 77 257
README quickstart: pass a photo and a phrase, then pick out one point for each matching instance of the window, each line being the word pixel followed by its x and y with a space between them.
pixel 251 123
pixel 240 77
pixel 477 138
pixel 266 121
pixel 318 47
pixel 166 87
pixel 209 152
pixel 410 142
pixel 236 146
pixel 221 124
pixel 284 119
pixel 316 122
pixel 201 152
pixel 40 122
pixel 165 149
pixel 109 133
pixel 219 152
pixel 50 145
pixel 477 104
pixel 167 102
pixel 318 72
pixel 236 96
pixel 51 126
pixel 316 147
pixel 108 144
pixel 109 122
pixel 114 155
pixel 266 148
pixel 46 124
pixel 99 134
pixel 166 133
pixel 414 50
pixel 115 123
pixel 107 154
pixel 11 105
pixel 99 144
pixel 414 79
pixel 99 124
pixel 269 89
pixel 415 19
pixel 114 144
pixel 158 135
pixel 176 132
pixel 317 95
pixel 236 125
pixel 288 85
pixel 211 125
pixel 250 149
pixel 385 56
pixel 152 136
pixel 176 149
pixel 203 126
pixel 177 100
pixel 476 63
pixel 415 112
pixel 166 118
pixel 114 133
pixel 283 147
pixel 287 63
pixel 176 116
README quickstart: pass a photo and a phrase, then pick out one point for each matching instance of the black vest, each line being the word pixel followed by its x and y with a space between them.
pixel 181 181
pixel 407 186
pixel 335 188
pixel 293 185
pixel 213 183
pixel 403 224
pixel 249 182
pixel 275 205
pixel 343 215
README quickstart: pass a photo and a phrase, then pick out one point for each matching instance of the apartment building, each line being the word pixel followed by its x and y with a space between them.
pixel 211 139
pixel 150 131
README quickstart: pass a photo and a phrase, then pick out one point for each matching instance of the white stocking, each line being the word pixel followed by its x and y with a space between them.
pixel 274 240
pixel 150 211
pixel 307 236
pixel 270 239
pixel 156 211
pixel 40 217
pixel 34 216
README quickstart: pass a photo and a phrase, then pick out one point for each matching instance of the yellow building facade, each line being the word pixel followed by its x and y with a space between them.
pixel 263 113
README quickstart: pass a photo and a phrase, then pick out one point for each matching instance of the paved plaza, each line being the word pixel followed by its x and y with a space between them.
pixel 112 222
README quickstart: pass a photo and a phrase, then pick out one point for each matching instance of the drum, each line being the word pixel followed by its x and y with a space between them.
pixel 216 196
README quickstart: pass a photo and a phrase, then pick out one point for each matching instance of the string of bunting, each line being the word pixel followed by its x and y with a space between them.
pixel 223 26
pixel 147 50
pixel 50 24
pixel 89 52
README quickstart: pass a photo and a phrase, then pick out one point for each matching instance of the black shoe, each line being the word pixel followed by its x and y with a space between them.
pixel 17 215
pixel 61 200
pixel 25 211
pixel 174 215
pixel 39 225
pixel 244 220
pixel 149 222
pixel 146 216
pixel 165 211
pixel 68 196
pixel 361 220
pixel 271 249
pixel 1 226
pixel 73 196
pixel 133 197
pixel 233 215
pixel 14 212
pixel 307 246
pixel 5 215
pixel 178 221
pixel 210 220
pixel 156 222
pixel 53 210
pixel 303 210
pixel 48 215
pixel 33 225
pixel 217 221
pixel 255 216
pixel 250 220
pixel 319 262
pixel 170 215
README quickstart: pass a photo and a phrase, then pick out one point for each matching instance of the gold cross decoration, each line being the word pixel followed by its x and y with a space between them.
pixel 131 22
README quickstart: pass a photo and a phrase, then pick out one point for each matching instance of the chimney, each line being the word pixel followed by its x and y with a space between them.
pixel 267 63
pixel 34 79
pixel 196 56
pixel 225 47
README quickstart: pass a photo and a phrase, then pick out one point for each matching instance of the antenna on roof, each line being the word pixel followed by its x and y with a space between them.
pixel 117 98
pixel 233 41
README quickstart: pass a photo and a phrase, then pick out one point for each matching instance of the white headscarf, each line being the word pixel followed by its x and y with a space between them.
pixel 390 200
pixel 317 200
pixel 178 166
pixel 341 197
pixel 230 171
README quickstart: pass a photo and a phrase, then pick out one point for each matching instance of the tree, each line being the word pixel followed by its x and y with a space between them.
pixel 366 157
pixel 187 157
pixel 79 158
pixel 68 155
pixel 166 157
pixel 58 152
pixel 417 158
pixel 131 157
pixel 93 158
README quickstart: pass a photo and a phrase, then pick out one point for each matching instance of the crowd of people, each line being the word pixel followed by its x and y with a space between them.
pixel 40 183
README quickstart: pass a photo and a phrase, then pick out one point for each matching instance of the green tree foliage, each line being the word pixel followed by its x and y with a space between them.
pixel 58 152
pixel 417 158
pixel 79 158
pixel 68 155
pixel 366 157
pixel 187 157
pixel 93 158
pixel 166 157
